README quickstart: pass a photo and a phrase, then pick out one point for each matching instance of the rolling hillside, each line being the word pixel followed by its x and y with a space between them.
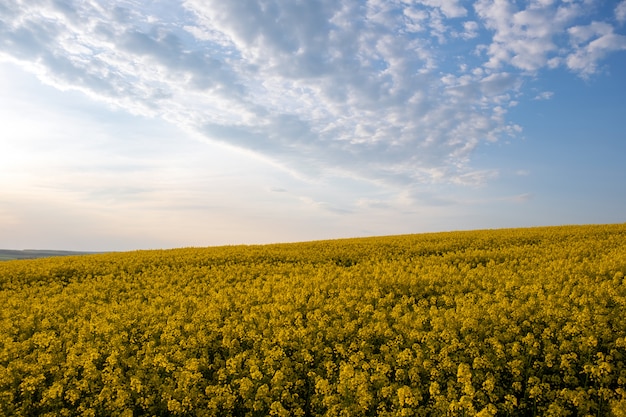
pixel 517 322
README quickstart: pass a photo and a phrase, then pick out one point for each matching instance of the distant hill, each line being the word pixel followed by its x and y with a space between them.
pixel 9 255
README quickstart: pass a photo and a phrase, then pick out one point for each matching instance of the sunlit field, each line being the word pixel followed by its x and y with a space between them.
pixel 517 322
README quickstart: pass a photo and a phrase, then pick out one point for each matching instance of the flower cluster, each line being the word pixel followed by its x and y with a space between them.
pixel 518 322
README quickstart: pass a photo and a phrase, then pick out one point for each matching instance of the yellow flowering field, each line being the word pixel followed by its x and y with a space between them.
pixel 515 322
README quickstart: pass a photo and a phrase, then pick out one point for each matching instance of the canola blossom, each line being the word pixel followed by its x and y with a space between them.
pixel 516 322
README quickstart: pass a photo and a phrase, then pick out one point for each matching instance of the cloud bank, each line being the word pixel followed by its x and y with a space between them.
pixel 389 91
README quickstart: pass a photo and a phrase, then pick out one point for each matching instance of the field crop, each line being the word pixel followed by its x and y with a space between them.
pixel 517 322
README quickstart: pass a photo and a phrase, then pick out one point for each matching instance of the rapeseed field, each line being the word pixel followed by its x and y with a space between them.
pixel 517 322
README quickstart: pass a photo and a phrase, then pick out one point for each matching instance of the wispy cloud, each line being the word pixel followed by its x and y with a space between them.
pixel 544 95
pixel 620 12
pixel 522 198
pixel 353 87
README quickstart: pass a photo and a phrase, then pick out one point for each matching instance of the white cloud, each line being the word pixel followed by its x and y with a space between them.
pixel 450 8
pixel 583 34
pixel 592 43
pixel 620 11
pixel 362 88
pixel 544 95
pixel 530 39
pixel 524 38
pixel 475 178
pixel 470 30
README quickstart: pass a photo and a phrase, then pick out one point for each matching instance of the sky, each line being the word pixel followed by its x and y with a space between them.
pixel 156 124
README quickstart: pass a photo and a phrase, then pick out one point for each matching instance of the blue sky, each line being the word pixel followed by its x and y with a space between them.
pixel 129 124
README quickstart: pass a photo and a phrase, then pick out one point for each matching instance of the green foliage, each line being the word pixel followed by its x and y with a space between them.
pixel 518 322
